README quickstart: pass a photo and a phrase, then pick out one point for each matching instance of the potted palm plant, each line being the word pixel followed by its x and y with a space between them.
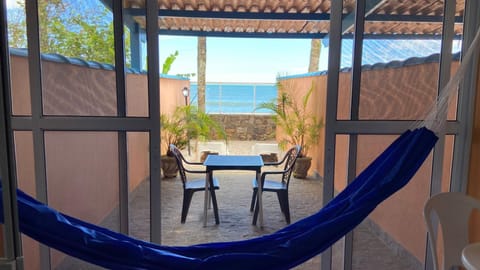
pixel 299 125
pixel 185 123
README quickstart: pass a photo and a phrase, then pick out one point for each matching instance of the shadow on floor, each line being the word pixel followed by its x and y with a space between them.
pixel 235 221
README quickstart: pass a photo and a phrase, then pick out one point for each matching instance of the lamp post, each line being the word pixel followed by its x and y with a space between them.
pixel 185 92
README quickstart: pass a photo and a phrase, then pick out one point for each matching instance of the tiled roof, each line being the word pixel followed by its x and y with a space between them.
pixel 296 17
pixel 387 50
pixel 412 61
pixel 434 58
pixel 58 58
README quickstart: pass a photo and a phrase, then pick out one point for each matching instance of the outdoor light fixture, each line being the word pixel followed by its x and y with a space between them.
pixel 185 93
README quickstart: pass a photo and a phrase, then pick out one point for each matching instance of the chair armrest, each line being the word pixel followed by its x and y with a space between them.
pixel 264 174
pixel 194 171
pixel 192 162
pixel 273 172
pixel 276 163
pixel 272 163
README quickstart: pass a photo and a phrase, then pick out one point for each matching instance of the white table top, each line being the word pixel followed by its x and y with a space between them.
pixel 471 256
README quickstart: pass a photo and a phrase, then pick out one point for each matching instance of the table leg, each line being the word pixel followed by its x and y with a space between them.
pixel 259 199
pixel 207 197
pixel 213 197
pixel 209 206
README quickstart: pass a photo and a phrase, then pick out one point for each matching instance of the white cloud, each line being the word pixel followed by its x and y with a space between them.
pixel 12 4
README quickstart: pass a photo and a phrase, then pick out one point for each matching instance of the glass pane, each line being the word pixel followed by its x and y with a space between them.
pixel 25 164
pixel 135 58
pixel 83 181
pixel 340 182
pixel 17 42
pixel 21 102
pixel 403 89
pixel 456 51
pixel 344 93
pixel 395 231
pixel 77 58
pixel 447 163
pixel 139 185
pixel 137 94
pixel 399 79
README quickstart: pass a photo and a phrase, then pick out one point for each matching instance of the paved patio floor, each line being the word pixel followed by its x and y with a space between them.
pixel 235 220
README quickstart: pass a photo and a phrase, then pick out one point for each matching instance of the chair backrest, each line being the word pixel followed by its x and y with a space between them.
pixel 290 158
pixel 453 211
pixel 180 159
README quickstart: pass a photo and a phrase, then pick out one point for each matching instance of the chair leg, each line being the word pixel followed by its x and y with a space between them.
pixel 209 201
pixel 254 199
pixel 255 214
pixel 286 206
pixel 215 206
pixel 187 198
pixel 281 202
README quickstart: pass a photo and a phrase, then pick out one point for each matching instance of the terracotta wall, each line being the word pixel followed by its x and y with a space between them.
pixel 404 93
pixel 298 87
pixel 82 167
pixel 473 188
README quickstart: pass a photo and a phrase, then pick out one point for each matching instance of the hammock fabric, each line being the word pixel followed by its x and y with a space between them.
pixel 283 249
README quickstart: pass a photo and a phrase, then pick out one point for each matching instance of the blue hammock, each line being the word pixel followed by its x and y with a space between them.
pixel 283 249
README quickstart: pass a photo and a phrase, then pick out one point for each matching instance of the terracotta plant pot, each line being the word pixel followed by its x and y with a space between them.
pixel 272 157
pixel 204 155
pixel 169 166
pixel 302 165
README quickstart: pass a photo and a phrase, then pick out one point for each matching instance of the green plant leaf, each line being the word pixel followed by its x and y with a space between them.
pixel 298 125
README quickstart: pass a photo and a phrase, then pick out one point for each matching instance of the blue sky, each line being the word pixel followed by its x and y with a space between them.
pixel 262 60
pixel 239 59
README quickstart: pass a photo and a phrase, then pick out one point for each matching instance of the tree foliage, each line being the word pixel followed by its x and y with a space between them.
pixel 300 126
pixel 188 122
pixel 168 62
pixel 72 30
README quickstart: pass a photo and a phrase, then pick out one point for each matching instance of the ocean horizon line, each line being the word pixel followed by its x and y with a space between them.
pixel 235 97
pixel 237 82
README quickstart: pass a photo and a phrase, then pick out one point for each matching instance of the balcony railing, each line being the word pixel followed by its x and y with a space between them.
pixel 235 98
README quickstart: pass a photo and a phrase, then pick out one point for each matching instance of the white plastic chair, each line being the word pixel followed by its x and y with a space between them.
pixel 453 211
pixel 219 147
pixel 265 148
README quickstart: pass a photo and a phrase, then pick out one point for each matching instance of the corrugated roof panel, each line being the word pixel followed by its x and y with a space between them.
pixel 385 51
pixel 400 17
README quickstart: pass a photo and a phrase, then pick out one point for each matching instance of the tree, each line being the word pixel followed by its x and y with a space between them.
pixel 17 32
pixel 73 31
pixel 201 70
pixel 167 65
pixel 314 55
pixel 168 62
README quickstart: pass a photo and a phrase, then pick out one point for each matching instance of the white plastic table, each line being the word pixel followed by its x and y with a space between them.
pixel 471 256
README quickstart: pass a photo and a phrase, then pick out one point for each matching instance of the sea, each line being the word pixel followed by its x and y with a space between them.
pixel 235 98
